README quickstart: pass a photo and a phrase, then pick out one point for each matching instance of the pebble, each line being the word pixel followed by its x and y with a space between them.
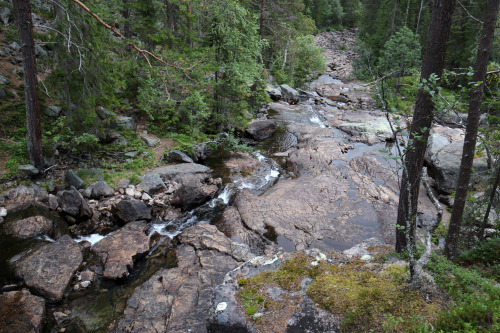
pixel 3 212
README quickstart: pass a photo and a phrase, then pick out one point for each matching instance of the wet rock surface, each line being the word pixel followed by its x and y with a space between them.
pixel 118 251
pixel 50 269
pixel 21 312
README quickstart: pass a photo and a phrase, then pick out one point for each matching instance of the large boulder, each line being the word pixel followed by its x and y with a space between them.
pixel 332 92
pixel 22 197
pixel 53 111
pixel 262 129
pixel 289 94
pixel 125 122
pixel 274 92
pixel 118 251
pixel 21 312
pixel 30 227
pixel 445 166
pixel 195 184
pixel 130 210
pixel 50 269
pixel 73 204
pixel 444 154
pixel 370 131
pixel 177 156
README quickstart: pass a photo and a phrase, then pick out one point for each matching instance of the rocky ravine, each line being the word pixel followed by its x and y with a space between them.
pixel 335 189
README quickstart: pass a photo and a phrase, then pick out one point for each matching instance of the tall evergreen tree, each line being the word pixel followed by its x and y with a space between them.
pixel 433 63
pixel 22 11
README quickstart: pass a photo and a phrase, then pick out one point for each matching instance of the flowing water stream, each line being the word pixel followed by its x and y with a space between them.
pixel 92 309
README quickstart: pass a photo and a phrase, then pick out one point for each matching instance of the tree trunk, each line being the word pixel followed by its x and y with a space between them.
pixel 476 98
pixel 127 32
pixel 419 16
pixel 490 203
pixel 262 9
pixel 433 62
pixel 188 24
pixel 22 11
pixel 394 13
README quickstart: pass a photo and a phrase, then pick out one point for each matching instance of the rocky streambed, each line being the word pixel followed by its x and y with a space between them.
pixel 148 257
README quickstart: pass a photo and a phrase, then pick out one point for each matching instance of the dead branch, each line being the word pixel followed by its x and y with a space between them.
pixel 9 141
pixel 144 53
pixel 469 14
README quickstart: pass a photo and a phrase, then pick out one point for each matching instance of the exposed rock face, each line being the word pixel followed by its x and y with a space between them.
pixel 226 314
pixel 177 299
pixel 73 203
pixel 130 210
pixel 262 129
pixel 177 156
pixel 117 251
pixel 194 179
pixel 30 227
pixel 21 312
pixel 328 205
pixel 50 269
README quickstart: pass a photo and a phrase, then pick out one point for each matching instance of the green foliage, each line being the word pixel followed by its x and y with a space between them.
pixel 326 14
pixel 476 300
pixel 401 53
pixel 486 257
pixel 62 133
pixel 237 52
pixel 252 301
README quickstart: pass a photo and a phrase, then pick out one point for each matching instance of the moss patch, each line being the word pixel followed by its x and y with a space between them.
pixel 366 296
pixel 372 297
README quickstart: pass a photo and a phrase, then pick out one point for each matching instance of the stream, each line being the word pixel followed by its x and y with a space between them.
pixel 94 308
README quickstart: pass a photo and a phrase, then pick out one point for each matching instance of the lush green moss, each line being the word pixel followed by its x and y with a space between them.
pixel 372 297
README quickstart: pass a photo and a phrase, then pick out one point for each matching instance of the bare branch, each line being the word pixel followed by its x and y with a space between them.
pixel 144 53
pixel 9 141
pixel 469 14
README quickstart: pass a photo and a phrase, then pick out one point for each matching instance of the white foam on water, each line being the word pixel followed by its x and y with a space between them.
pixel 225 196
pixel 315 119
pixel 272 175
pixel 92 239
pixel 259 156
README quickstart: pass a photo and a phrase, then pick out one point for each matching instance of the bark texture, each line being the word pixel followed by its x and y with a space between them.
pixel 22 11
pixel 433 62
